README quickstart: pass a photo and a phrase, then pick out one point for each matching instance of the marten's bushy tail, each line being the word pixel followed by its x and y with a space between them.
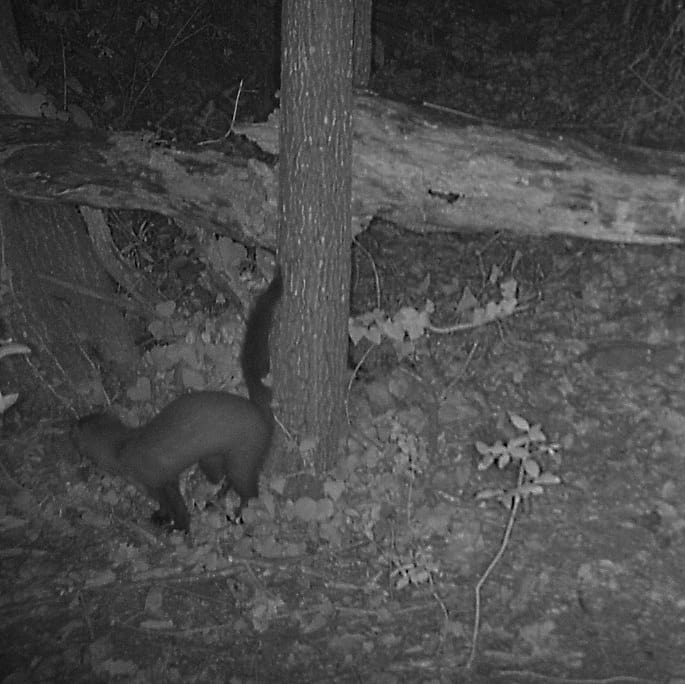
pixel 254 356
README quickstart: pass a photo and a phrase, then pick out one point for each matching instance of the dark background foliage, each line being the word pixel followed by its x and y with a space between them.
pixel 613 67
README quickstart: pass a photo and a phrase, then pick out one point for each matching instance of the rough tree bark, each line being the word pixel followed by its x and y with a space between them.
pixel 363 43
pixel 314 235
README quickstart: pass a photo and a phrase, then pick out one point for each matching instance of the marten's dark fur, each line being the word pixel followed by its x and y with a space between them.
pixel 227 435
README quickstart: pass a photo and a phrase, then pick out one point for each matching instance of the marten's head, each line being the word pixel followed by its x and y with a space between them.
pixel 98 437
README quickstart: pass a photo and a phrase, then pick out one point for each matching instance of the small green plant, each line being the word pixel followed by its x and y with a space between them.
pixel 409 324
pixel 526 451
pixel 403 329
pixel 411 457
pixel 416 568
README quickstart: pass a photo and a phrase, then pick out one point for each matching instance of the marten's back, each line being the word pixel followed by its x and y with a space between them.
pixel 200 426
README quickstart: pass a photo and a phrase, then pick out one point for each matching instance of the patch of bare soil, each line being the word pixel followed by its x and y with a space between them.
pixel 375 581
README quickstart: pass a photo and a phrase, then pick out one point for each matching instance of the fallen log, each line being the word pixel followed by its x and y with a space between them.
pixel 422 168
pixel 415 166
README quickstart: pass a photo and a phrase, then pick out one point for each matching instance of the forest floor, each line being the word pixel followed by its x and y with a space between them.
pixel 376 580
pixel 377 583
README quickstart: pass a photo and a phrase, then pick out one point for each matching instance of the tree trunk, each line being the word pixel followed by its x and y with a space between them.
pixel 314 233
pixel 52 263
pixel 363 43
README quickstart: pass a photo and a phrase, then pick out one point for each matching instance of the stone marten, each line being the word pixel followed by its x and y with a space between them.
pixel 226 434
